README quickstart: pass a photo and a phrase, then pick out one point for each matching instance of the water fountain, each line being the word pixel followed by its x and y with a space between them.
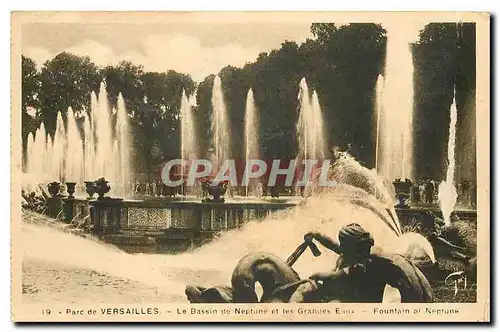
pixel 189 144
pixel 379 103
pixel 35 159
pixel 310 131
pixel 359 196
pixel 447 193
pixel 326 213
pixel 89 140
pixel 75 155
pixel 57 152
pixel 221 136
pixel 395 107
pixel 319 143
pixel 251 141
pixel 123 144
pixel 29 153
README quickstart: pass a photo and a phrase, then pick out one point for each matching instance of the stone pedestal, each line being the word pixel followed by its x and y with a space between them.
pixel 105 215
pixel 69 209
pixel 55 207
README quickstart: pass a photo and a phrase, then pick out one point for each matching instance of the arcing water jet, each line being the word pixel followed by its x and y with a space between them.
pixel 447 193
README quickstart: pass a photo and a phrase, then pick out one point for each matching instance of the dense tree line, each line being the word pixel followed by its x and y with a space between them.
pixel 152 99
pixel 445 58
pixel 341 63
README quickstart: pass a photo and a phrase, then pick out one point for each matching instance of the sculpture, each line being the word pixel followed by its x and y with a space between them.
pixel 71 189
pixel 402 189
pixel 101 187
pixel 90 188
pixel 217 191
pixel 54 188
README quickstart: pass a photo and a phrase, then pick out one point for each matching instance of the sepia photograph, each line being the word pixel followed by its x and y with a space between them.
pixel 250 166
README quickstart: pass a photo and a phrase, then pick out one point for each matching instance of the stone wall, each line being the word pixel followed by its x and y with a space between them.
pixel 165 214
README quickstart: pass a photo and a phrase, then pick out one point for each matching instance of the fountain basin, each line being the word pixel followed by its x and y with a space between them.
pixel 165 213
pixel 414 214
pixel 168 224
pixel 175 225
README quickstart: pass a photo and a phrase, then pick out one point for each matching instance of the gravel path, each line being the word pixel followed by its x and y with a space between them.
pixel 45 282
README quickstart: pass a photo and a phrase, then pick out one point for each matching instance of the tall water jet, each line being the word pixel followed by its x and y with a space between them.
pixel 123 143
pixel 326 213
pixel 39 147
pixel 319 146
pixel 310 134
pixel 114 172
pixel 74 155
pixel 221 135
pixel 251 140
pixel 48 156
pixel 379 95
pixel 101 150
pixel 302 125
pixel 89 151
pixel 310 131
pixel 101 117
pixel 29 153
pixel 395 148
pixel 447 193
pixel 189 145
pixel 58 150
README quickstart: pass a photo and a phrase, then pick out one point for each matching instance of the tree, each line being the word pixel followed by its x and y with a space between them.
pixel 341 63
pixel 323 31
pixel 203 114
pixel 444 58
pixel 125 78
pixel 435 56
pixel 153 102
pixel 67 80
pixel 235 85
pixel 29 97
pixel 160 117
pixel 356 55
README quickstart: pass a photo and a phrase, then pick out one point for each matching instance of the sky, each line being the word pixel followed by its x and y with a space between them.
pixel 198 49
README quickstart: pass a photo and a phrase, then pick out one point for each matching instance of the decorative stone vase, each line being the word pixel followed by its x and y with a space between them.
pixel 101 187
pixel 216 191
pixel 54 188
pixel 90 189
pixel 402 188
pixel 71 189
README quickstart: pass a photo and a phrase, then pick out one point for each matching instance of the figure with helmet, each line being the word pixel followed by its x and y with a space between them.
pixel 368 269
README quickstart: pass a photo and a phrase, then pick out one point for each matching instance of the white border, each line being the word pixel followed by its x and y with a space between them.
pixel 366 5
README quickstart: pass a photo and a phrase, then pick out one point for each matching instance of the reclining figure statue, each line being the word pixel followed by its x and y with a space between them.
pixel 361 275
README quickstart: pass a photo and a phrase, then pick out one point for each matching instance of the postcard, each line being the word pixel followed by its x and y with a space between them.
pixel 250 166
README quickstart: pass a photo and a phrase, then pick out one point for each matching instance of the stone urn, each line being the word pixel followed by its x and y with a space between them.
pixel 54 188
pixel 216 191
pixel 403 191
pixel 101 187
pixel 90 189
pixel 55 202
pixel 70 186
